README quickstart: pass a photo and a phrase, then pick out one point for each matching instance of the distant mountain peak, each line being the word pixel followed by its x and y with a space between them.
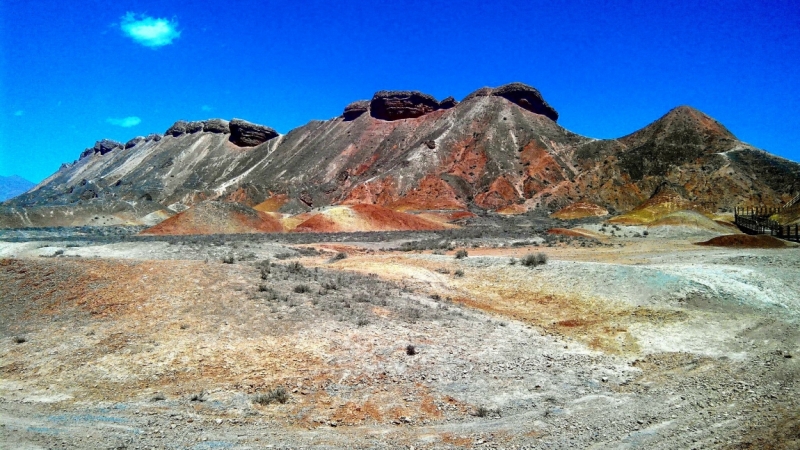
pixel 684 125
pixel 13 186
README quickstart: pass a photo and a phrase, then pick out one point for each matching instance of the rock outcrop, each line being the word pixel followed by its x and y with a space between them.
pixel 134 142
pixel 355 110
pixel 177 129
pixel 485 91
pixel 216 126
pixel 448 103
pixel 102 147
pixel 153 137
pixel 194 127
pixel 521 94
pixel 396 105
pixel 246 134
pixel 526 97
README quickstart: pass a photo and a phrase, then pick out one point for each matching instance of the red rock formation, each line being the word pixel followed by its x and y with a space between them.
pixel 215 218
pixel 432 193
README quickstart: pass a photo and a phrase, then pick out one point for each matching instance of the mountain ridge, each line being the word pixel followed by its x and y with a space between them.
pixel 491 151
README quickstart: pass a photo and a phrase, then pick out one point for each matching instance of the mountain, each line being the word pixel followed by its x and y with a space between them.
pixel 499 149
pixel 13 186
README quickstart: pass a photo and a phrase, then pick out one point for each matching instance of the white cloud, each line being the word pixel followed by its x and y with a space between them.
pixel 126 122
pixel 206 108
pixel 149 31
pixel 19 112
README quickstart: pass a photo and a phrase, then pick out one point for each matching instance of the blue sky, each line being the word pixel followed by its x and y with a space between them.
pixel 72 73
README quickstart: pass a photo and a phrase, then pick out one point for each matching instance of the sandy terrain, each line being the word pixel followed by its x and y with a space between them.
pixel 622 342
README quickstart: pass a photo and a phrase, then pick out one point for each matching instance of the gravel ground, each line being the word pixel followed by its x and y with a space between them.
pixel 637 342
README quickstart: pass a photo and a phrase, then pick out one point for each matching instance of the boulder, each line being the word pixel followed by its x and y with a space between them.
pixel 246 134
pixel 101 147
pixel 194 127
pixel 448 103
pixel 396 105
pixel 134 142
pixel 355 110
pixel 178 128
pixel 216 126
pixel 106 145
pixel 152 137
pixel 526 97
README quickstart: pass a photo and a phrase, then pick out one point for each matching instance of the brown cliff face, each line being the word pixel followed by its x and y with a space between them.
pixel 488 152
pixel 396 105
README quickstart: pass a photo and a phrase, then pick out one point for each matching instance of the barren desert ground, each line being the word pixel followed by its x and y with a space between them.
pixel 361 341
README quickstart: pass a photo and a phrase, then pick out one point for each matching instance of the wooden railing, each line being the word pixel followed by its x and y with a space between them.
pixel 792 202
pixel 757 221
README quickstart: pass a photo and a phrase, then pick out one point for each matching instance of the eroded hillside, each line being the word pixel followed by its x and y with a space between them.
pixel 499 149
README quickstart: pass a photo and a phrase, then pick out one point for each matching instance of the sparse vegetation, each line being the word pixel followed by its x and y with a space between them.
pixel 482 411
pixel 20 339
pixel 228 259
pixel 411 350
pixel 458 273
pixel 198 397
pixel 302 289
pixel 461 254
pixel 277 395
pixel 534 259
pixel 338 257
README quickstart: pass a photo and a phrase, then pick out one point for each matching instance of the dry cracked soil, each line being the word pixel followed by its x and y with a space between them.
pixel 390 341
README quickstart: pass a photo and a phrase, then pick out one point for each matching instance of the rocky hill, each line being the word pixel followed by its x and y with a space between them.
pixel 13 186
pixel 498 149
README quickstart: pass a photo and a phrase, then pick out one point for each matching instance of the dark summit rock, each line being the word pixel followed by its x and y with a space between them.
pixel 101 147
pixel 526 97
pixel 396 105
pixel 448 103
pixel 194 127
pixel 485 91
pixel 178 128
pixel 355 110
pixel 106 145
pixel 153 137
pixel 134 142
pixel 216 126
pixel 246 134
